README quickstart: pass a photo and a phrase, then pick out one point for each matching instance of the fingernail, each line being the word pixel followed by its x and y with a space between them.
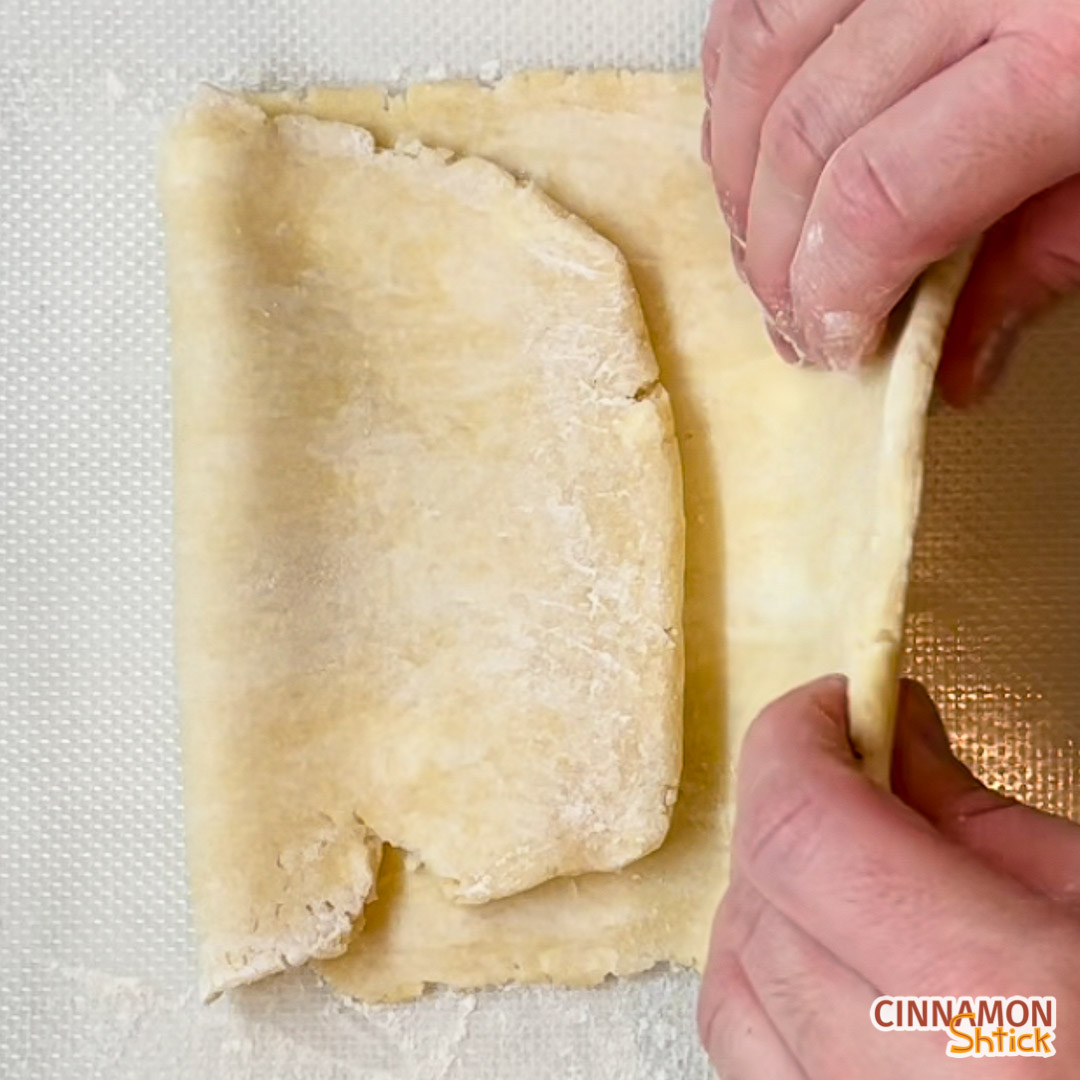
pixel 993 355
pixel 706 138
pixel 846 339
pixel 783 345
pixel 924 718
pixel 738 258
pixel 920 714
pixel 727 208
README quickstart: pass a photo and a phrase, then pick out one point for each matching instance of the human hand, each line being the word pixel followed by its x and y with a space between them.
pixel 841 892
pixel 854 142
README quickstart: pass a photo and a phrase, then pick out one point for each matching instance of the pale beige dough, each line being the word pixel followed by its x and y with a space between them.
pixel 801 499
pixel 429 535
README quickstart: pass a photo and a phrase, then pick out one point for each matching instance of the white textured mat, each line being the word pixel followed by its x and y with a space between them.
pixel 96 966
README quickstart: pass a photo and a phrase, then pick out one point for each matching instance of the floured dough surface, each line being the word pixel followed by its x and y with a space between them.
pixel 801 499
pixel 429 534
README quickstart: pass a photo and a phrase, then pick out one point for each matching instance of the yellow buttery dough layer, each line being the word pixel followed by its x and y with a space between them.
pixel 429 534
pixel 801 497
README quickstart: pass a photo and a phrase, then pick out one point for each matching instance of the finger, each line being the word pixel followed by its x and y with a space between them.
pixel 710 46
pixel 741 1041
pixel 1027 261
pixel 864 874
pixel 928 174
pixel 785 350
pixel 758 45
pixel 881 52
pixel 1037 849
pixel 819 1007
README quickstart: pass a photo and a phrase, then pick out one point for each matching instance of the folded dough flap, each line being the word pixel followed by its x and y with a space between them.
pixel 879 602
pixel 429 533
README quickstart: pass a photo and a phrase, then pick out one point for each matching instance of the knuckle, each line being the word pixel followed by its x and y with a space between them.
pixel 795 996
pixel 981 972
pixel 787 979
pixel 1056 264
pixel 707 1007
pixel 824 702
pixel 970 811
pixel 779 829
pixel 756 32
pixel 723 998
pixel 876 881
pixel 1049 958
pixel 794 138
pixel 1055 38
pixel 862 200
pixel 1027 77
pixel 1043 65
pixel 710 45
pixel 783 805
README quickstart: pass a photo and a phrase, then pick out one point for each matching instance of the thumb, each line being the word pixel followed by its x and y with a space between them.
pixel 1041 851
pixel 1026 262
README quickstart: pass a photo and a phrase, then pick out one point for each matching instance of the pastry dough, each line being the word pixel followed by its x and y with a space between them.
pixel 429 533
pixel 801 499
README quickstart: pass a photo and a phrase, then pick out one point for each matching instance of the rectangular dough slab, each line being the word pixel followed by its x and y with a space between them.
pixel 429 533
pixel 801 501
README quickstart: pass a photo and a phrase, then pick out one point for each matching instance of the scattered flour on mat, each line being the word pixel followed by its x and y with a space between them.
pixel 292 1028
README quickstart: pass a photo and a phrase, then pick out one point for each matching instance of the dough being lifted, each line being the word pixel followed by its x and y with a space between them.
pixel 429 533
